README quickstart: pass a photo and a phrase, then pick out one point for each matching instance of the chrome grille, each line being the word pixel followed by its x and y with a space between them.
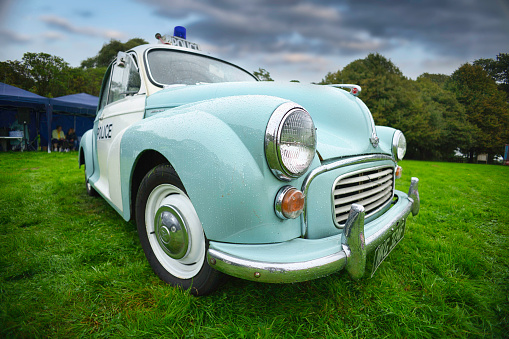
pixel 371 188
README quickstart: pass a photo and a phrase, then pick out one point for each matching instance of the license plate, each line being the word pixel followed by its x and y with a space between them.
pixel 386 247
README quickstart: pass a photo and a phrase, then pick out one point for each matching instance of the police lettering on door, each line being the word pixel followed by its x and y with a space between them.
pixel 104 132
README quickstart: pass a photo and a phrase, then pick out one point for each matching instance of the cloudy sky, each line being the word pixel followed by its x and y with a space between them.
pixel 292 39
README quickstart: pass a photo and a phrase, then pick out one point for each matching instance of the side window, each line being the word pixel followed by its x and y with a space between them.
pixel 125 78
pixel 104 89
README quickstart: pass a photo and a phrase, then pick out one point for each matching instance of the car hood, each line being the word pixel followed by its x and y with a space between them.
pixel 343 122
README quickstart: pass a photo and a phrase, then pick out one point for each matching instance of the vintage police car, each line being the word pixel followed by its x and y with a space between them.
pixel 271 182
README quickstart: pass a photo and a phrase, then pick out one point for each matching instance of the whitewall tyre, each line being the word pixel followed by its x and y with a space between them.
pixel 171 233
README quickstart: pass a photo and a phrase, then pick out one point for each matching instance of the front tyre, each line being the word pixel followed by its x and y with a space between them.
pixel 171 234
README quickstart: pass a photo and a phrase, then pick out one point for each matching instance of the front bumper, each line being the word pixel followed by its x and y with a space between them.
pixel 352 248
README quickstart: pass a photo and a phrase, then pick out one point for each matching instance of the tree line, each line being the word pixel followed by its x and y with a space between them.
pixel 51 76
pixel 467 111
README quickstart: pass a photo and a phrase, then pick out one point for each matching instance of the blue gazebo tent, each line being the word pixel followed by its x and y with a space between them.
pixel 80 104
pixel 75 110
pixel 26 105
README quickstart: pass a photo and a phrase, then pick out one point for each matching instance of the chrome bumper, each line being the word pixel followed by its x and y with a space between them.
pixel 351 256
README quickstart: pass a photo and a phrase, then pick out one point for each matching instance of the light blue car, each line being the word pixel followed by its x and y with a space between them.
pixel 224 174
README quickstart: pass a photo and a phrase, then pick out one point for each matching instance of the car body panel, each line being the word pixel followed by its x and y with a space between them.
pixel 343 128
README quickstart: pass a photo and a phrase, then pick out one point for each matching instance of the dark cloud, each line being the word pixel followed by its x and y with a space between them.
pixel 10 37
pixel 460 27
pixel 85 13
pixel 266 25
pixel 66 26
pixel 5 6
pixel 456 28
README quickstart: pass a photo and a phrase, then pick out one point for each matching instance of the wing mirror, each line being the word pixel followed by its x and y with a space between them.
pixel 121 59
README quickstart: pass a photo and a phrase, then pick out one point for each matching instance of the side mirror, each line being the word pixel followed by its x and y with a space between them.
pixel 121 59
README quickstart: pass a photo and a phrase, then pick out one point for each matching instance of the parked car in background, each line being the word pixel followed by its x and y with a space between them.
pixel 224 174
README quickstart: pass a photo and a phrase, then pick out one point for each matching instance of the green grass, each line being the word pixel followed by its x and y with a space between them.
pixel 71 267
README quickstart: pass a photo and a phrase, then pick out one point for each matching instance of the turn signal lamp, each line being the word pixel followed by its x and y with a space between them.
pixel 289 203
pixel 399 172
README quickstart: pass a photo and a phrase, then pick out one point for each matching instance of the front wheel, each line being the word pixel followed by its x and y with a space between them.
pixel 171 233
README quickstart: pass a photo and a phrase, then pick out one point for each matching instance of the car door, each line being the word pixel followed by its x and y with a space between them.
pixel 122 105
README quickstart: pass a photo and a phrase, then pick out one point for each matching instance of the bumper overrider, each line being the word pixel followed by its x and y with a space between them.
pixel 352 246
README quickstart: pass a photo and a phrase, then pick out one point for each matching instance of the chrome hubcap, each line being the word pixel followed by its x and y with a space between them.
pixel 171 232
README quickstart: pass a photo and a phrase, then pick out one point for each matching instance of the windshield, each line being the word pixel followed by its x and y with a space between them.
pixel 170 67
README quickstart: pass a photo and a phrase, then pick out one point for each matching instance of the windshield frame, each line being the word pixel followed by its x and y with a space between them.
pixel 186 51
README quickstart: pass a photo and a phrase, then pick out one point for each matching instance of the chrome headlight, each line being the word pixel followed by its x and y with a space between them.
pixel 398 145
pixel 290 141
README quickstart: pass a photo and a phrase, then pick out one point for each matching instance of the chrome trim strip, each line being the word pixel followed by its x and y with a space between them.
pixel 352 255
pixel 329 167
pixel 353 173
pixel 276 272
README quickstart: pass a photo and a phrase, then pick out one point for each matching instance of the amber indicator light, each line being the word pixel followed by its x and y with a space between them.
pixel 293 203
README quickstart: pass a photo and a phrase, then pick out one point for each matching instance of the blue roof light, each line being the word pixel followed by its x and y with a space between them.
pixel 180 32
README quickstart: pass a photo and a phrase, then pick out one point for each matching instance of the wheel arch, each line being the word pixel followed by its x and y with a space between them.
pixel 146 161
pixel 86 153
pixel 81 157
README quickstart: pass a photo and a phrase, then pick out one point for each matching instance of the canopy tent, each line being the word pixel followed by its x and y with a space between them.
pixel 23 107
pixel 14 96
pixel 80 104
pixel 76 110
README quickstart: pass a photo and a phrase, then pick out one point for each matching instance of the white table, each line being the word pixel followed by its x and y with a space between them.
pixel 4 142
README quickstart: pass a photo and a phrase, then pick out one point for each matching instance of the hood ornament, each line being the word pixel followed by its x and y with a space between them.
pixel 354 89
pixel 374 140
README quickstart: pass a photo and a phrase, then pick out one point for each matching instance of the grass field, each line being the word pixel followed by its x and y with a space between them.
pixel 71 267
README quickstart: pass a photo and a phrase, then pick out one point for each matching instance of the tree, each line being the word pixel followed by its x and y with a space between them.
pixel 497 69
pixel 381 83
pixel 485 106
pixel 262 75
pixel 11 72
pixel 50 76
pixel 85 80
pixel 430 117
pixel 446 119
pixel 109 51
pixel 40 73
pixel 439 79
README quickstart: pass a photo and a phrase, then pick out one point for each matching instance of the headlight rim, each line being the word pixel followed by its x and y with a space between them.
pixel 395 145
pixel 272 141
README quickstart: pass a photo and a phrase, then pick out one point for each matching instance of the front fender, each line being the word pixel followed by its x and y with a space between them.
pixel 86 153
pixel 385 134
pixel 217 149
